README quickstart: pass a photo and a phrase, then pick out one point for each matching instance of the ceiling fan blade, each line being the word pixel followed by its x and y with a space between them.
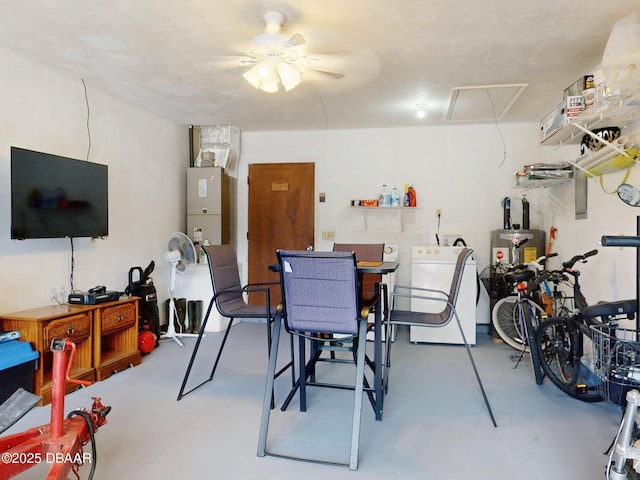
pixel 295 40
pixel 233 61
pixel 327 71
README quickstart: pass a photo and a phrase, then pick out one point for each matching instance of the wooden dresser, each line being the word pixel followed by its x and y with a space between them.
pixel 115 342
pixel 106 338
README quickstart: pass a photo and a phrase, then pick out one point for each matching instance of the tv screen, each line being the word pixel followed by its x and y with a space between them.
pixel 55 197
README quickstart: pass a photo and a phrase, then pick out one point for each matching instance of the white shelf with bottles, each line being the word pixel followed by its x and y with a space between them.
pixel 619 109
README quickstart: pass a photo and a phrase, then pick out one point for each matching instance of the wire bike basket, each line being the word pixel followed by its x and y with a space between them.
pixel 616 361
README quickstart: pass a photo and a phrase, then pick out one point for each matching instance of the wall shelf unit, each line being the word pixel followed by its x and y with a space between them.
pixel 619 109
pixel 526 184
pixel 379 211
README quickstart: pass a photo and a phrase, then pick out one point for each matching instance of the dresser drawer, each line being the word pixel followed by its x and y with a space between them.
pixel 118 317
pixel 75 327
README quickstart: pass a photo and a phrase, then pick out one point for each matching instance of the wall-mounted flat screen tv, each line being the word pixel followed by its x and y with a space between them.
pixel 56 197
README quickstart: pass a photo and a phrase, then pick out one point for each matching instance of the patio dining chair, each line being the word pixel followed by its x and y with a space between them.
pixel 229 298
pixel 320 297
pixel 433 319
pixel 365 252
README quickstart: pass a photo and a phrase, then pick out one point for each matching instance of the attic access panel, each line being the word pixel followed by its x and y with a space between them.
pixel 482 102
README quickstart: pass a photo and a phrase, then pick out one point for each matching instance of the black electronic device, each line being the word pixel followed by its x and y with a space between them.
pixel 93 298
pixel 57 197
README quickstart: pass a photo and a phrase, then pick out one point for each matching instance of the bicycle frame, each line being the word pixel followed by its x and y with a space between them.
pixel 60 442
pixel 527 321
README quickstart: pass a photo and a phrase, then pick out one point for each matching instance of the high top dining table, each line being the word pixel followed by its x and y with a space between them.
pixel 382 268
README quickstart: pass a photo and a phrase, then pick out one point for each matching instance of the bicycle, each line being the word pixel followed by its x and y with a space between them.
pixel 504 313
pixel 59 443
pixel 619 366
pixel 560 340
pixel 524 318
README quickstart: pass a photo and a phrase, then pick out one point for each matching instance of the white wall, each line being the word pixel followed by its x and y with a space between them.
pixel 147 158
pixel 464 170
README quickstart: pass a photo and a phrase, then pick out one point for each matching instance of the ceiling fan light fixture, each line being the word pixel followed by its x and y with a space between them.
pixel 253 76
pixel 290 76
pixel 277 61
pixel 268 74
pixel 269 86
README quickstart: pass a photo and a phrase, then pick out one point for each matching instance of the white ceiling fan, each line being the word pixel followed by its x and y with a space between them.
pixel 275 58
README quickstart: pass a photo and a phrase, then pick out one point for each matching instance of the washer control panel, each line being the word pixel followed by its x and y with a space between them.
pixel 434 252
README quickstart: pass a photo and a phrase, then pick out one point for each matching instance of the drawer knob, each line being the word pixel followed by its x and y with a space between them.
pixel 120 316
pixel 70 330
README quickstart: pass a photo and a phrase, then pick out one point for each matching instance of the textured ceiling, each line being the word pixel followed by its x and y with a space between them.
pixel 177 58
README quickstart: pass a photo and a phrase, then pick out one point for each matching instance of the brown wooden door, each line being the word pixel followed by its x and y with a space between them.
pixel 281 215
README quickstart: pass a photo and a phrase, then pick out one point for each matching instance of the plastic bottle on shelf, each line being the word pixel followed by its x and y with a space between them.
pixel 413 200
pixel 384 199
pixel 395 197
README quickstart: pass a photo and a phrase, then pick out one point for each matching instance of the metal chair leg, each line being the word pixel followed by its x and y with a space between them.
pixel 359 390
pixel 182 393
pixel 268 391
pixel 475 370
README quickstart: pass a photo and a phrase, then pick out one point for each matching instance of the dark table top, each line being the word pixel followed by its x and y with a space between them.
pixel 363 267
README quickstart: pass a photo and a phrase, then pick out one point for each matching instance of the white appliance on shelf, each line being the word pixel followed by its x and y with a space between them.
pixel 432 266
pixel 196 285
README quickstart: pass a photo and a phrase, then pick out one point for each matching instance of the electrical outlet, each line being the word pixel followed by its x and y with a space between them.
pixel 330 236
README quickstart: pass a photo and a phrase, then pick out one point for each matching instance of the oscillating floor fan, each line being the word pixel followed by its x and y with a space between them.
pixel 181 254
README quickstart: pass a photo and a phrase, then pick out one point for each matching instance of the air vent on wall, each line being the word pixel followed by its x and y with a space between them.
pixel 482 102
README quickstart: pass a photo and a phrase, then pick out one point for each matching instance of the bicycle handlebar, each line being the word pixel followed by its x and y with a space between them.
pixel 578 258
pixel 620 241
pixel 541 262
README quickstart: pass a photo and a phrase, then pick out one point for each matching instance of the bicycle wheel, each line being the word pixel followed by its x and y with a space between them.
pixel 561 355
pixel 530 321
pixel 505 321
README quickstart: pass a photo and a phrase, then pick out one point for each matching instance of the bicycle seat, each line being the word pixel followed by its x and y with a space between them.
pixel 519 276
pixel 608 309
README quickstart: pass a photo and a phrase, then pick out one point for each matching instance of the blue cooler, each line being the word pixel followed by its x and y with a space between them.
pixel 17 363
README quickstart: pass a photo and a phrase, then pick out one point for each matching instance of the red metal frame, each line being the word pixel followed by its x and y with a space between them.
pixel 60 442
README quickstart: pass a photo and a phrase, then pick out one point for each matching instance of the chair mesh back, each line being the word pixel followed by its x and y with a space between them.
pixel 456 281
pixel 223 266
pixel 319 291
pixel 368 252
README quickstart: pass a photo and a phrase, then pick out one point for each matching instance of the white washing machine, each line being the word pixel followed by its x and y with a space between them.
pixel 433 267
